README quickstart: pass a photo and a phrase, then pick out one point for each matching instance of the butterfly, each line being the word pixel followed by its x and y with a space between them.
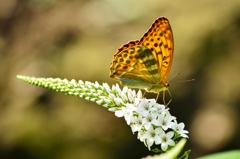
pixel 146 63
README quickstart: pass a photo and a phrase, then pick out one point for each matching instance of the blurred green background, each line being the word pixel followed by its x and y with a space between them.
pixel 76 39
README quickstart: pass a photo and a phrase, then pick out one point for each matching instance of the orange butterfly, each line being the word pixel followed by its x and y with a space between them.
pixel 145 63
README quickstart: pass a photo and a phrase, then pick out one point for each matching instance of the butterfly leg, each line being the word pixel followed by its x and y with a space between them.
pixel 144 92
pixel 170 98
pixel 164 102
pixel 157 96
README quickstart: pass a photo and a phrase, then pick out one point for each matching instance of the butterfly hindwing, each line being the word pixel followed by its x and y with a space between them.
pixel 135 67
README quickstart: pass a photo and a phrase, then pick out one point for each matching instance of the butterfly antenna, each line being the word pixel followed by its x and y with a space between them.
pixel 191 80
pixel 174 76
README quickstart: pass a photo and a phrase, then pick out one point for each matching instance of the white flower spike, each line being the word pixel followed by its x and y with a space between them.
pixel 152 121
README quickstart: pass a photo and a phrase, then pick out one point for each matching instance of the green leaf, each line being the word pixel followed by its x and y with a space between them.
pixel 185 155
pixel 173 153
pixel 233 154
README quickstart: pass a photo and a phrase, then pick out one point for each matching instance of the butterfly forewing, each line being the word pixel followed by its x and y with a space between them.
pixel 159 39
pixel 126 46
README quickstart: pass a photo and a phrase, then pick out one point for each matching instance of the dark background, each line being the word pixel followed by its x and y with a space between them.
pixel 76 39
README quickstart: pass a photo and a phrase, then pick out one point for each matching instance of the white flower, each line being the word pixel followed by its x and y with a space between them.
pixel 120 113
pixel 149 119
pixel 118 89
pixel 146 106
pixel 139 94
pixel 131 95
pixel 136 123
pixel 150 136
pixel 127 112
pixel 106 86
pixel 140 135
pixel 125 89
pixel 165 120
pixel 165 140
pixel 142 107
pixel 118 101
pixel 179 128
pixel 161 108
